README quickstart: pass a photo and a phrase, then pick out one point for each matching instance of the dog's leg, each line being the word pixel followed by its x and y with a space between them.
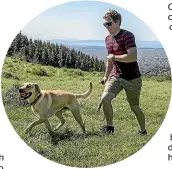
pixel 29 128
pixel 48 125
pixel 74 108
pixel 61 118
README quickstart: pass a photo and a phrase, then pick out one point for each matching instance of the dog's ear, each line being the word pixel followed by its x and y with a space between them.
pixel 37 88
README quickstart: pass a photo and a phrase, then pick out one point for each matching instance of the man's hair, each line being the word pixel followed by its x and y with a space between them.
pixel 114 15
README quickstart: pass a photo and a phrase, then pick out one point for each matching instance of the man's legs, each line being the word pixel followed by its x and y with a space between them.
pixel 132 89
pixel 112 88
pixel 139 115
pixel 107 108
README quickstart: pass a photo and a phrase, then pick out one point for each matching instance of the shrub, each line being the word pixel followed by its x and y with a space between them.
pixel 9 75
pixel 78 72
pixel 11 97
pixel 39 71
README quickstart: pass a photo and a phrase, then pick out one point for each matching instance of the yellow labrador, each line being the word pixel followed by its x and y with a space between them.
pixel 49 102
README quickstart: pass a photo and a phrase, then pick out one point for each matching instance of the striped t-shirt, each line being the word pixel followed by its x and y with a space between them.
pixel 118 45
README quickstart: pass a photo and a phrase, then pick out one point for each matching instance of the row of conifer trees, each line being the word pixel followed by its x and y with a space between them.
pixel 57 55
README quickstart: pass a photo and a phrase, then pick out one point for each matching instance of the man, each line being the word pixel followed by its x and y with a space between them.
pixel 122 71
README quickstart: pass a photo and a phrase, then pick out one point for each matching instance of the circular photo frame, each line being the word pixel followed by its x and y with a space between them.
pixel 86 84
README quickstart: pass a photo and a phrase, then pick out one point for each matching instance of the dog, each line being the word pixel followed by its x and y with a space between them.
pixel 46 103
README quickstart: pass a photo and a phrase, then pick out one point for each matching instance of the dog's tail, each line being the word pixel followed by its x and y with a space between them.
pixel 86 94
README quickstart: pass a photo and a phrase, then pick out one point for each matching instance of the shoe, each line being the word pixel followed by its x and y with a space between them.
pixel 107 129
pixel 143 133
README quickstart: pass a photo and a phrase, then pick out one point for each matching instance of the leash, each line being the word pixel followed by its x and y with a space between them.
pixel 98 110
pixel 99 107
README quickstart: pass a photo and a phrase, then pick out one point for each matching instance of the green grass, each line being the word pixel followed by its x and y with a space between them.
pixel 71 147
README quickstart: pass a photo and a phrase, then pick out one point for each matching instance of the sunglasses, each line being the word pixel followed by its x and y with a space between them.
pixel 109 23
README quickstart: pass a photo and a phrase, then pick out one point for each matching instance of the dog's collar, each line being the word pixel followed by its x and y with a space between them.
pixel 34 102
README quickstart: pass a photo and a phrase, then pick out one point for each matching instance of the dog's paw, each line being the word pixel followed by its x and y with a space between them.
pixel 52 133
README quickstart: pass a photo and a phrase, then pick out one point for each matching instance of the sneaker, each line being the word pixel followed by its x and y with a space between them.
pixel 107 129
pixel 143 133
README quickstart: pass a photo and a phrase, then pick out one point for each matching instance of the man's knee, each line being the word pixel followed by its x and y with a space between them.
pixel 107 97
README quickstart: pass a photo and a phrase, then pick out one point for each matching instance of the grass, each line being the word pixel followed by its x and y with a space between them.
pixel 69 146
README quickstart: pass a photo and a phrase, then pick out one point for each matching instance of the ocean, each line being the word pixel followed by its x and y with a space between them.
pixel 152 58
pixel 101 43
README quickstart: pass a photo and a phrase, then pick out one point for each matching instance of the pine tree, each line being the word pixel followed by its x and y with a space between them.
pixel 45 59
pixel 53 54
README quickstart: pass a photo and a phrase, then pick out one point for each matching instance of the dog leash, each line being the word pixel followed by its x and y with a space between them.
pixel 98 110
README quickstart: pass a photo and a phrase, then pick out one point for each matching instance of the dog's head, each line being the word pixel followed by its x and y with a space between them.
pixel 28 89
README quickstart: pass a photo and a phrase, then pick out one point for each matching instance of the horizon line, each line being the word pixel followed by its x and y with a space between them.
pixel 97 40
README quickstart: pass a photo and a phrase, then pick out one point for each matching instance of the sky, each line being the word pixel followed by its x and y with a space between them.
pixel 83 20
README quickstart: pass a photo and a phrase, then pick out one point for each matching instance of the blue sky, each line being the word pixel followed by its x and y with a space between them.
pixel 83 20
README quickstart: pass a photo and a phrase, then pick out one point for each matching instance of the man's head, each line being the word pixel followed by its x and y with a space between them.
pixel 112 21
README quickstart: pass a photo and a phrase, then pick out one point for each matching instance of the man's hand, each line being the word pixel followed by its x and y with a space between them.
pixel 103 81
pixel 110 57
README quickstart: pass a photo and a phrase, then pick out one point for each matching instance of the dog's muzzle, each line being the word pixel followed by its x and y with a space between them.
pixel 24 95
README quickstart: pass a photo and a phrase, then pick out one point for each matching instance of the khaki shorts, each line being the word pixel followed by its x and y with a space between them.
pixel 132 88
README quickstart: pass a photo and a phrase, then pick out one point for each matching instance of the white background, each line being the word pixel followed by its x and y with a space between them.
pixel 14 15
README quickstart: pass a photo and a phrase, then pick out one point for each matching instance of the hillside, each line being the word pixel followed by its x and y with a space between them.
pixel 69 146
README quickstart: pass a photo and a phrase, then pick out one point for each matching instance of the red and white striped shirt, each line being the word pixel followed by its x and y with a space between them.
pixel 118 45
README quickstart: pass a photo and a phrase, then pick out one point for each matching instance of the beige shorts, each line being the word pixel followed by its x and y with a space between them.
pixel 132 88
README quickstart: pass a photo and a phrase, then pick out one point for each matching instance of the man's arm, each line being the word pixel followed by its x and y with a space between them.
pixel 109 66
pixel 130 56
